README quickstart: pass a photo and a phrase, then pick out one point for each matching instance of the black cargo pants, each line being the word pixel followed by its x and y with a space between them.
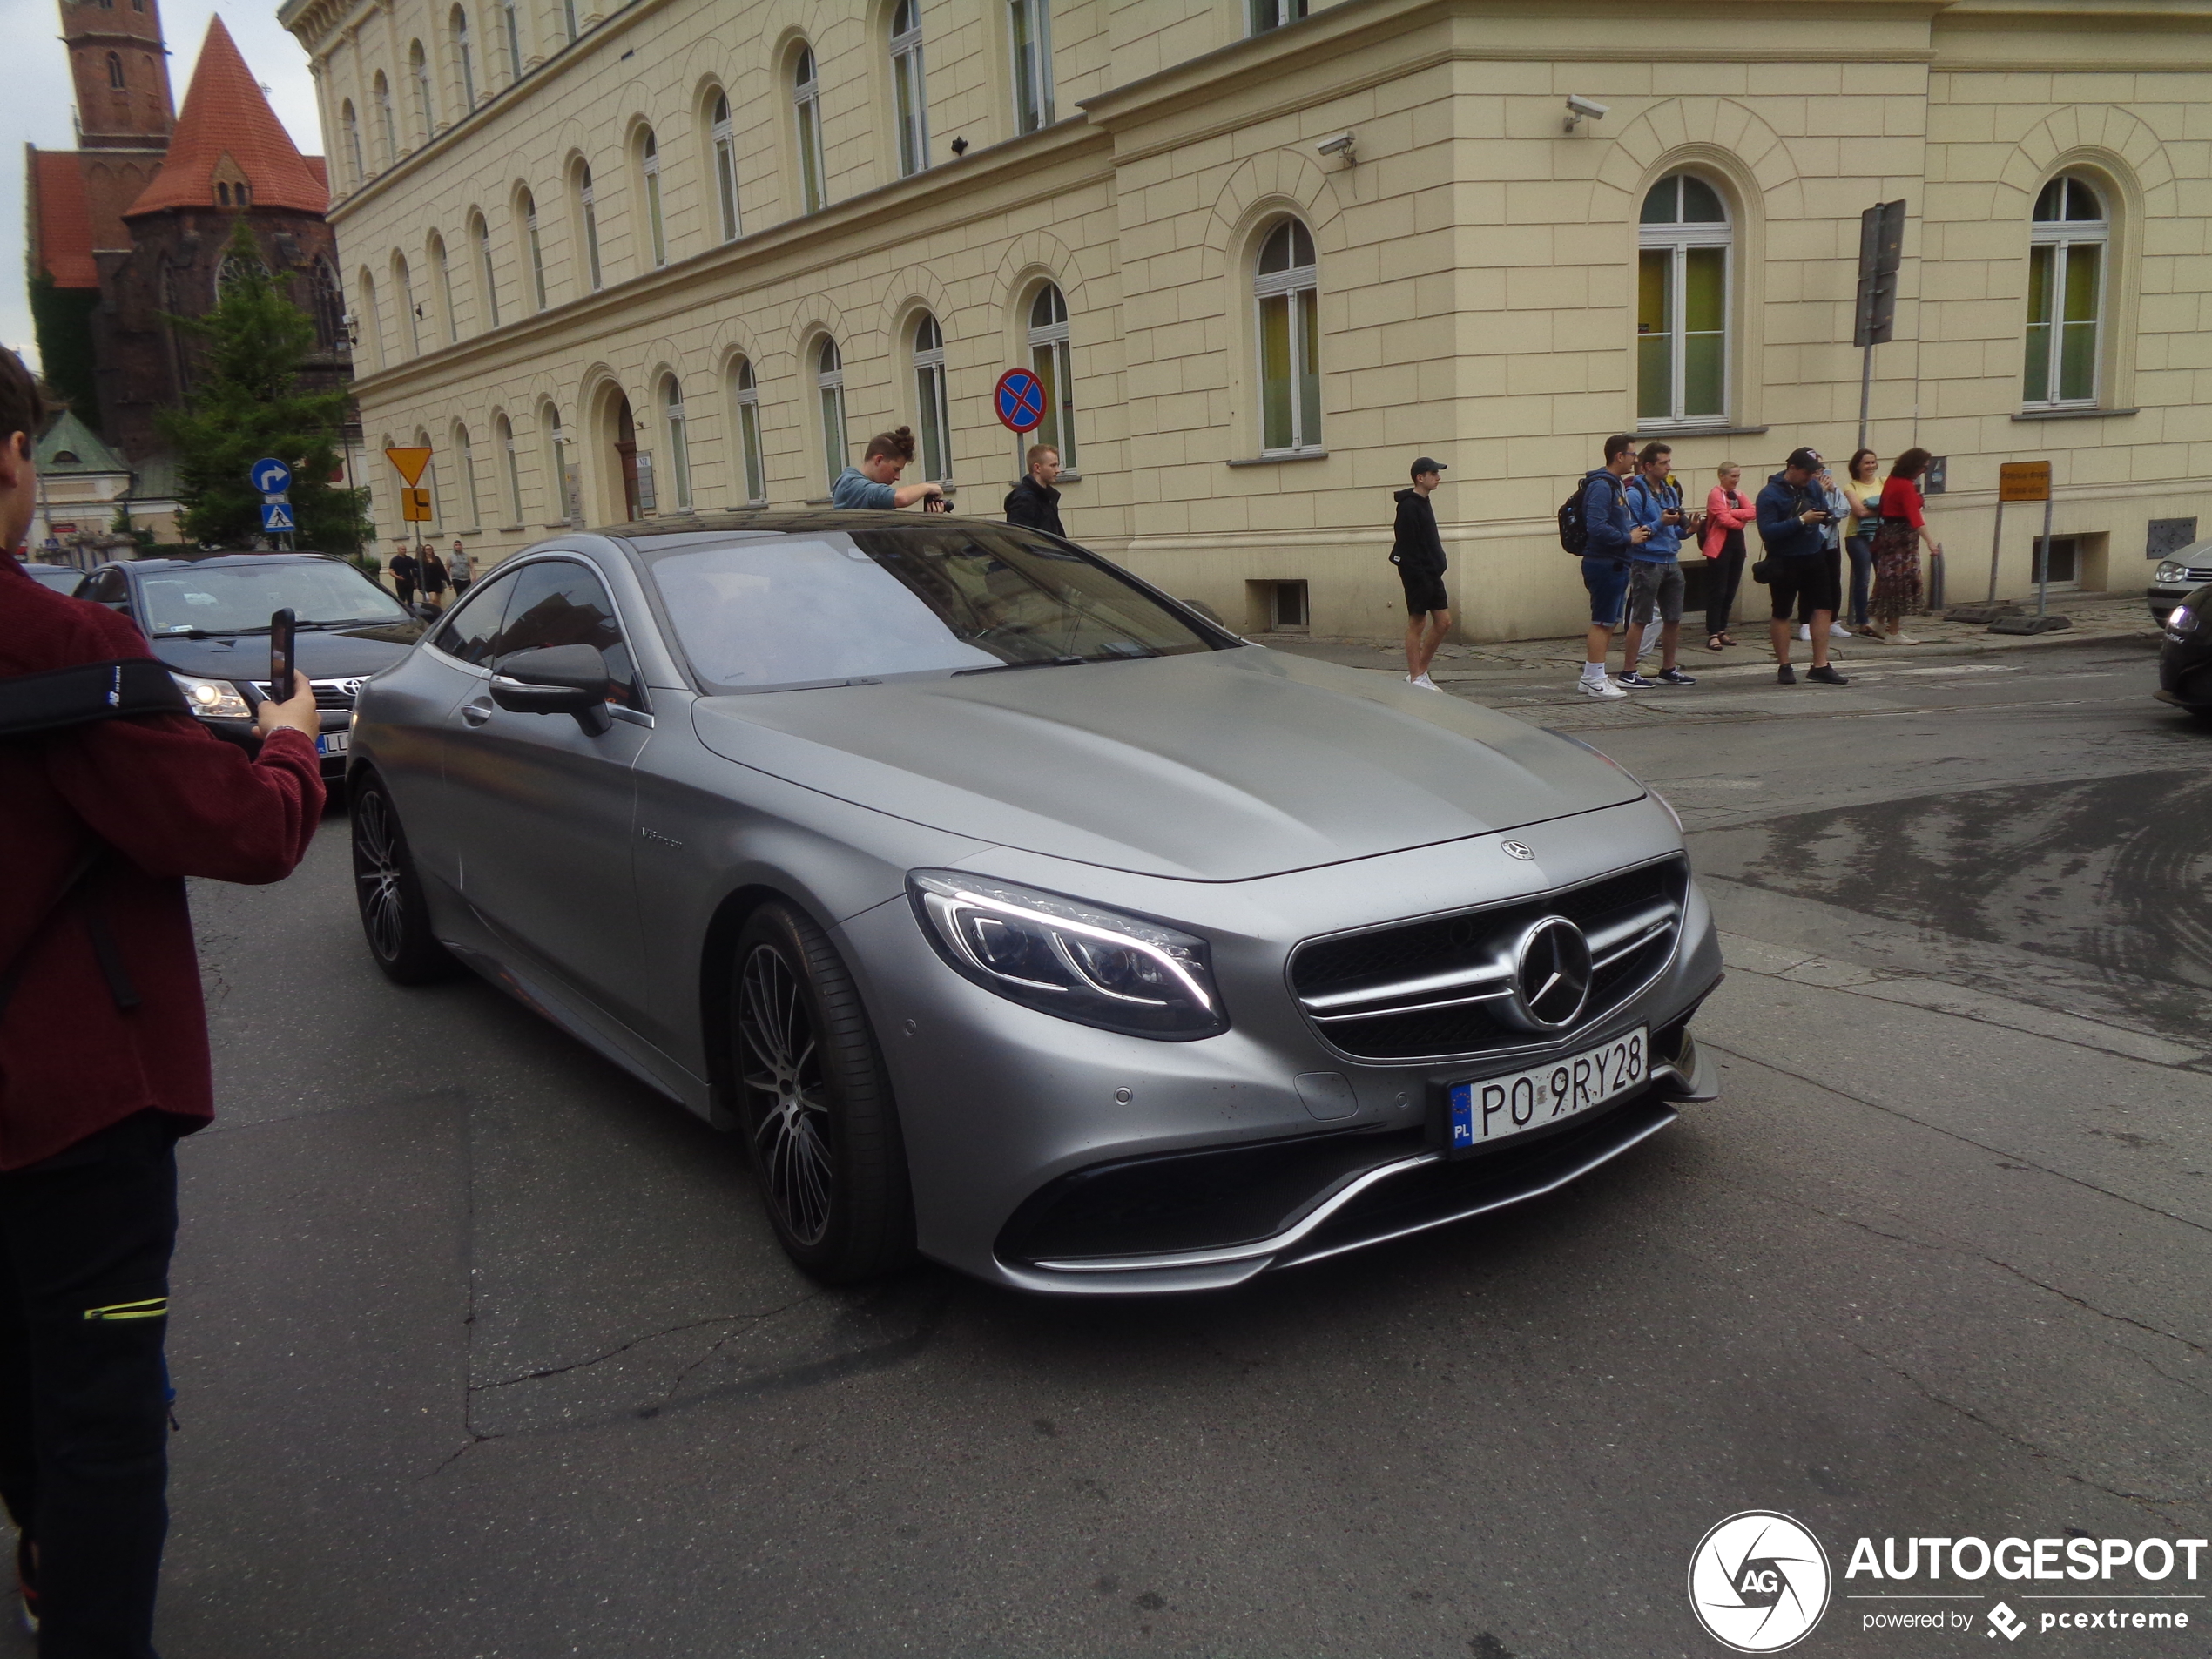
pixel 84 1242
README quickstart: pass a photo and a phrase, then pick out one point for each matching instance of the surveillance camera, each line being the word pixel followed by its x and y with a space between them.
pixel 1578 107
pixel 1339 145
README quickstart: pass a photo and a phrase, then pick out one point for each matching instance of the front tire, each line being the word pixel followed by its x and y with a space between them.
pixel 814 1104
pixel 395 918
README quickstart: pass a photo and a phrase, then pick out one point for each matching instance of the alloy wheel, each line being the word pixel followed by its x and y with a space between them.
pixel 377 873
pixel 781 1067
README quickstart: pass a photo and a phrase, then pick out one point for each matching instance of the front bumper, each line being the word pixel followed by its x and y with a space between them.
pixel 1005 1110
pixel 242 733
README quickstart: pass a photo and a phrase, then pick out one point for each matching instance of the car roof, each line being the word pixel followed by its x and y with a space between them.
pixel 642 534
pixel 219 558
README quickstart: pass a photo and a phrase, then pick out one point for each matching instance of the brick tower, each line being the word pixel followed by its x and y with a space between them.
pixel 121 70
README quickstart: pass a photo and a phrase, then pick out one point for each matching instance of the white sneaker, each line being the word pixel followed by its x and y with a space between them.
pixel 1425 683
pixel 1805 630
pixel 1605 689
pixel 1899 639
pixel 1837 630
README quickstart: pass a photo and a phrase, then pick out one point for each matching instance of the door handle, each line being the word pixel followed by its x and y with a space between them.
pixel 476 713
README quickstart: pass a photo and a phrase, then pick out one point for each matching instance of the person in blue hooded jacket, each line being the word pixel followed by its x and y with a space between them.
pixel 1793 518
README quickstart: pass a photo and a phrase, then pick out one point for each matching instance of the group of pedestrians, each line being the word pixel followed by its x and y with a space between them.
pixel 424 572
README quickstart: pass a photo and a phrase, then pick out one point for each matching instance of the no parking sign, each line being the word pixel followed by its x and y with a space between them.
pixel 1019 398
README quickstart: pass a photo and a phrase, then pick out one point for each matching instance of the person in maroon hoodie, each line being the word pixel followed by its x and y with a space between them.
pixel 103 1063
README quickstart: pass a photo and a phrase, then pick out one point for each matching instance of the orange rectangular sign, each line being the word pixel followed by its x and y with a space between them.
pixel 2024 480
pixel 414 506
pixel 410 461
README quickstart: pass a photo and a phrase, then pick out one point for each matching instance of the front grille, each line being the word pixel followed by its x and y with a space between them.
pixel 329 694
pixel 1440 988
pixel 2197 573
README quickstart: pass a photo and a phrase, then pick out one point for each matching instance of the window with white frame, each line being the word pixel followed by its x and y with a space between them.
pixel 426 106
pixel 744 398
pixel 1050 361
pixel 2069 239
pixel 1286 297
pixel 806 101
pixel 930 401
pixel 443 273
pixel 679 445
pixel 1682 280
pixel 464 58
pixel 537 248
pixel 649 172
pixel 1031 23
pixel 511 26
pixel 911 105
pixel 410 312
pixel 513 465
pixel 725 167
pixel 382 98
pixel 352 126
pixel 564 499
pixel 472 510
pixel 829 385
pixel 1263 15
pixel 568 21
pixel 372 318
pixel 480 234
pixel 587 214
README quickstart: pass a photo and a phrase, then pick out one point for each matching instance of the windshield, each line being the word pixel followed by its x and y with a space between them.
pixel 864 603
pixel 232 598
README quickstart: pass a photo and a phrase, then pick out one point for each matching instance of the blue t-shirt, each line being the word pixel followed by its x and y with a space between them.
pixel 855 488
pixel 1645 506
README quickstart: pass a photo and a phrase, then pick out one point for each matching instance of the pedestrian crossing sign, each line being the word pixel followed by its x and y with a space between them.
pixel 276 516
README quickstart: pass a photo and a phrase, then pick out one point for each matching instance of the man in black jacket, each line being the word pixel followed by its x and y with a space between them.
pixel 1034 503
pixel 1418 551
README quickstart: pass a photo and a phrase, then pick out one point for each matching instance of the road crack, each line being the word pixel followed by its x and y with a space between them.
pixel 748 1320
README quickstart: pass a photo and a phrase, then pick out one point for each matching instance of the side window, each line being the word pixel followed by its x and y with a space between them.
pixel 472 630
pixel 561 604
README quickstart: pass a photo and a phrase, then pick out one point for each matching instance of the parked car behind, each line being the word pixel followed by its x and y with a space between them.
pixel 2176 576
pixel 63 579
pixel 1012 911
pixel 209 620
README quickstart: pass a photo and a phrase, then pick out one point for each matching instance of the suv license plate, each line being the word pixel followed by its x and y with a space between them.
pixel 1492 1109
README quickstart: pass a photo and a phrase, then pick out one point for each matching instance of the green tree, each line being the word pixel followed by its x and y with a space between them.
pixel 248 403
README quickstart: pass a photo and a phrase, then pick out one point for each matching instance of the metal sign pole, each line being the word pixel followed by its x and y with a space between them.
pixel 1996 542
pixel 1866 390
pixel 2043 564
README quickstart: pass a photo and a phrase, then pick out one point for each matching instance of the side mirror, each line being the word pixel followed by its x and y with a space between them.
pixel 555 679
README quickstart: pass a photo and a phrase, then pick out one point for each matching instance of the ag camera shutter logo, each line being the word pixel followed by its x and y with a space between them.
pixel 1758 1582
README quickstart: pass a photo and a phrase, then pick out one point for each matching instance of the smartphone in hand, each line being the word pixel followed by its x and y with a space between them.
pixel 283 626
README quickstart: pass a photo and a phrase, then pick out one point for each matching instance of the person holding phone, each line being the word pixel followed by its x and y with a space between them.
pixel 104 1065
pixel 875 483
pixel 1727 512
pixel 1655 567
pixel 1793 520
pixel 1862 485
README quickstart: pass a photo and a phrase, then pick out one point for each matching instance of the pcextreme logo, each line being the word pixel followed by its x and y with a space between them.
pixel 1758 1582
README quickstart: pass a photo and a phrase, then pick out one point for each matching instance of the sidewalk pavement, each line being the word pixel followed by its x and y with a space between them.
pixel 2121 614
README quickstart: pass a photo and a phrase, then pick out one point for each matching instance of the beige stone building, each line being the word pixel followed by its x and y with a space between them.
pixel 690 254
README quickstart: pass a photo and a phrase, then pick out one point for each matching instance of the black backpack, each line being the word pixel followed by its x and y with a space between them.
pixel 1573 530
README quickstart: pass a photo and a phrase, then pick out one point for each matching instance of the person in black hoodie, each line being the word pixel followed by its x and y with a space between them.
pixel 1033 503
pixel 1418 551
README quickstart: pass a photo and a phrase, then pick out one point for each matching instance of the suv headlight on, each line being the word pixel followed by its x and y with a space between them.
pixel 2181 621
pixel 2170 571
pixel 214 699
pixel 1096 967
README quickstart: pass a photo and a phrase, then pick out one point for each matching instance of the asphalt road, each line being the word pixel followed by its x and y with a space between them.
pixel 484 1351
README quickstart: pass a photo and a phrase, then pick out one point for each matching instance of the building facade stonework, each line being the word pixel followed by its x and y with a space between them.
pixel 688 254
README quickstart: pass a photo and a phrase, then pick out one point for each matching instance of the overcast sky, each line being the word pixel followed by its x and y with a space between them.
pixel 35 99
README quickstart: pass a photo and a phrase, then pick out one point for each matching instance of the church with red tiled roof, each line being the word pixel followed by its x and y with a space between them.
pixel 134 224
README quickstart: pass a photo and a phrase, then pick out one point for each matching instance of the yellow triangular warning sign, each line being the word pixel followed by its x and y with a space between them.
pixel 411 462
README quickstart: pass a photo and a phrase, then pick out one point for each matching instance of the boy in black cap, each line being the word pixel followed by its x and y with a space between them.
pixel 1418 551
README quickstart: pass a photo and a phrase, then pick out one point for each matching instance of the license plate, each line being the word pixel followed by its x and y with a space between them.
pixel 331 743
pixel 1492 1109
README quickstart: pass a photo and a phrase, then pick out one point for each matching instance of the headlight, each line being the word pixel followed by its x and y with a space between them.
pixel 2181 620
pixel 214 699
pixel 2170 571
pixel 1092 966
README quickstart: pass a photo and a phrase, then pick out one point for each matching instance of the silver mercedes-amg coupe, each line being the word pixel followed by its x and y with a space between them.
pixel 1018 914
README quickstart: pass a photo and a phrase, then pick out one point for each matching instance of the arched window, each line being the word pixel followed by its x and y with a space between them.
pixel 223 195
pixel 486 278
pixel 929 400
pixel 725 167
pixel 587 215
pixel 1683 304
pixel 2068 240
pixel 1263 15
pixel 382 98
pixel 526 210
pixel 1031 23
pixel 563 501
pixel 115 71
pixel 352 129
pixel 472 510
pixel 464 58
pixel 679 445
pixel 329 304
pixel 512 27
pixel 568 21
pixel 829 385
pixel 648 173
pixel 745 401
pixel 410 313
pixel 1286 290
pixel 511 465
pixel 443 273
pixel 806 100
pixel 426 106
pixel 371 320
pixel 1050 358
pixel 912 108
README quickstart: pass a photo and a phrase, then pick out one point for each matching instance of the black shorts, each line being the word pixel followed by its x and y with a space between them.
pixel 1799 587
pixel 1424 591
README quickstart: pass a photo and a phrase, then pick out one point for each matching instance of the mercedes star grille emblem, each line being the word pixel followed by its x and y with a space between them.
pixel 1519 850
pixel 1551 974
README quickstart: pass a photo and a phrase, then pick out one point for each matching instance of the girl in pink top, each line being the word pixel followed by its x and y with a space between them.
pixel 1727 511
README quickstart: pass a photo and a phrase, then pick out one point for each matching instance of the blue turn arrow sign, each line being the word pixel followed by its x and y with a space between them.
pixel 269 475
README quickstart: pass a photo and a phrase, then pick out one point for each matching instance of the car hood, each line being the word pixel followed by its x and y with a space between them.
pixel 1219 767
pixel 321 653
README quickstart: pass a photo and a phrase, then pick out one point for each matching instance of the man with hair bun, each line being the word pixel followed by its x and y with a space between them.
pixel 875 483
